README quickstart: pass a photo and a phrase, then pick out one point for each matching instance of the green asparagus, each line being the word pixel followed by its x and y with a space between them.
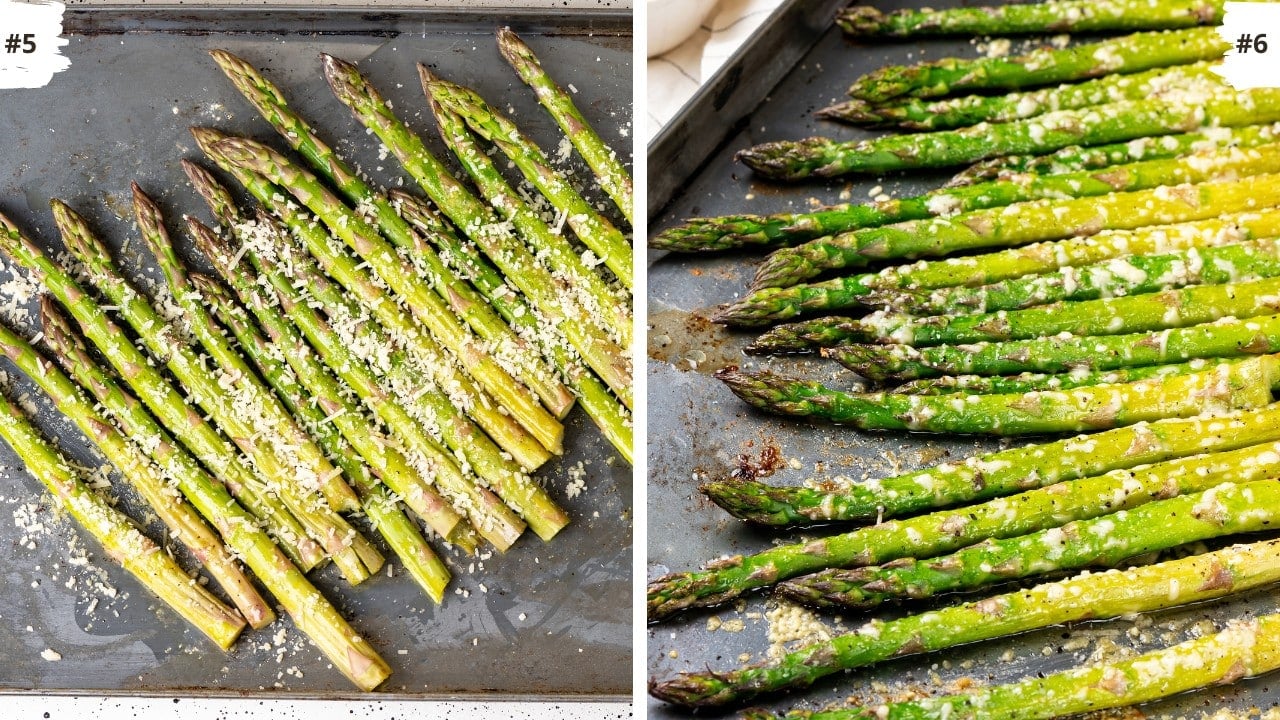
pixel 1110 123
pixel 464 300
pixel 991 475
pixel 342 266
pixel 592 228
pixel 1107 541
pixel 609 170
pixel 917 114
pixel 1238 384
pixel 1032 382
pixel 610 309
pixel 1128 54
pixel 1018 224
pixel 1065 16
pixel 608 414
pixel 183 522
pixel 853 291
pixel 310 610
pixel 117 534
pixel 949 530
pixel 314 409
pixel 233 397
pixel 1084 597
pixel 482 225
pixel 785 230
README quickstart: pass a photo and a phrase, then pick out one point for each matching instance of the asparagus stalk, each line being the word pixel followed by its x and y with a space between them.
pixel 239 405
pixel 463 299
pixel 399 275
pixel 482 225
pixel 609 170
pixel 1134 275
pixel 1018 224
pixel 1229 337
pixel 918 114
pixel 995 474
pixel 592 228
pixel 610 309
pixel 949 530
pixel 117 534
pixel 855 291
pixel 183 522
pixel 1178 307
pixel 784 230
pixel 311 612
pixel 1068 16
pixel 269 253
pixel 1033 382
pixel 604 409
pixel 1089 596
pixel 1238 384
pixel 1128 54
pixel 1110 123
pixel 314 409
pixel 162 398
pixel 1076 158
pixel 1106 541
pixel 342 266
pixel 1245 648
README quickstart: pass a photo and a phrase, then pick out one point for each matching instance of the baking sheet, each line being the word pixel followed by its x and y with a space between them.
pixel 547 620
pixel 699 431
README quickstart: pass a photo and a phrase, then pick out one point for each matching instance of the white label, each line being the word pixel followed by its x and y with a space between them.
pixel 1252 29
pixel 30 46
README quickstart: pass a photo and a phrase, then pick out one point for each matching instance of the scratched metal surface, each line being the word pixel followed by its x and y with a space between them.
pixel 545 621
pixel 699 431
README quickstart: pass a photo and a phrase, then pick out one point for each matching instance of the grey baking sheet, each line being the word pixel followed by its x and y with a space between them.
pixel 547 620
pixel 699 431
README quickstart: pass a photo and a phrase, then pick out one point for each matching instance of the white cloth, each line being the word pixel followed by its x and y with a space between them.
pixel 675 76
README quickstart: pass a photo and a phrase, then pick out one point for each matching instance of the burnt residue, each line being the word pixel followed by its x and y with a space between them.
pixel 760 465
pixel 689 341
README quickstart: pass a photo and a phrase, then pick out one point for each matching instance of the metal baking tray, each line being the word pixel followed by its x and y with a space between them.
pixel 797 63
pixel 546 620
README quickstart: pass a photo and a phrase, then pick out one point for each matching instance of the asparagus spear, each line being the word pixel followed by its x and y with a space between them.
pixel 399 275
pixel 238 404
pixel 463 299
pixel 610 309
pixel 1245 648
pixel 741 231
pixel 482 225
pixel 500 425
pixel 1067 16
pixel 314 408
pixel 162 398
pixel 995 474
pixel 949 530
pixel 1128 54
pixel 1032 382
pixel 311 612
pixel 269 253
pixel 608 414
pixel 610 172
pixel 1240 384
pixel 117 534
pixel 1076 158
pixel 1089 596
pixel 1134 275
pixel 1229 337
pixel 183 522
pixel 1110 123
pixel 853 291
pixel 1106 541
pixel 592 228
pixel 1018 224
pixel 918 114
